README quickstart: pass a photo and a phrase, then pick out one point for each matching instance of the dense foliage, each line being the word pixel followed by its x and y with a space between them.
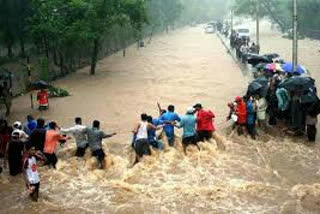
pixel 280 11
pixel 66 32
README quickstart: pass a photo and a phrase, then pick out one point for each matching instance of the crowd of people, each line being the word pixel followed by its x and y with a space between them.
pixel 22 145
pixel 278 95
pixel 196 128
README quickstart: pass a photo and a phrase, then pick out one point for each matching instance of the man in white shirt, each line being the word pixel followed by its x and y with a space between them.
pixel 79 132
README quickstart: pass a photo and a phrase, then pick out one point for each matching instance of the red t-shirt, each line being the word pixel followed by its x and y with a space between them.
pixel 241 111
pixel 205 120
pixel 43 98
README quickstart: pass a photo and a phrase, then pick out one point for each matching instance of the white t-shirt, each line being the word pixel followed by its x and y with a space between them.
pixel 32 174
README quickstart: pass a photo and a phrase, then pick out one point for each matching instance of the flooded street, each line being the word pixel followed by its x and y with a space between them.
pixel 272 175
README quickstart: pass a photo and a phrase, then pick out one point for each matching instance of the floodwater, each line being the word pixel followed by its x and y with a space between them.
pixel 275 174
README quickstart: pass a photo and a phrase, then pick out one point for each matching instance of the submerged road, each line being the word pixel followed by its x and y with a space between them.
pixel 272 175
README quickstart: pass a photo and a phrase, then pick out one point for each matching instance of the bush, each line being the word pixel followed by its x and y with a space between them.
pixel 58 92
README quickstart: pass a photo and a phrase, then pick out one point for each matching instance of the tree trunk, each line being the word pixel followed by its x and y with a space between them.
pixel 61 59
pixel 94 57
pixel 55 60
pixel 9 47
pixel 22 48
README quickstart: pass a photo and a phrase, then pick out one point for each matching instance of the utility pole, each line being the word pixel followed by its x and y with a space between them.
pixel 295 36
pixel 231 18
pixel 258 23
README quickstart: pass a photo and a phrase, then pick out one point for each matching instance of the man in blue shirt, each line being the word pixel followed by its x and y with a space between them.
pixel 169 118
pixel 188 123
pixel 152 137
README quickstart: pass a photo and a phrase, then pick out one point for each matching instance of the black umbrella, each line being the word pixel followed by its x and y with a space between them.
pixel 309 98
pixel 272 55
pixel 298 84
pixel 254 88
pixel 38 85
pixel 262 80
pixel 255 59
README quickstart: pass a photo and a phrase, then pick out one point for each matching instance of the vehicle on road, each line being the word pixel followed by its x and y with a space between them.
pixel 210 29
pixel 243 33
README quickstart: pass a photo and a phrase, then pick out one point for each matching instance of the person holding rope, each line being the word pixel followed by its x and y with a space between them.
pixel 95 137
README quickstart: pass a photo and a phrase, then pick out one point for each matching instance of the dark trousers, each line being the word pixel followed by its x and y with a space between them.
pixel 99 154
pixel 252 130
pixel 35 193
pixel 81 151
pixel 312 132
pixel 204 135
pixel 51 159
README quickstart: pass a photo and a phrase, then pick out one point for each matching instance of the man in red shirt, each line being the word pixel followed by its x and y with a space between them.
pixel 205 125
pixel 43 99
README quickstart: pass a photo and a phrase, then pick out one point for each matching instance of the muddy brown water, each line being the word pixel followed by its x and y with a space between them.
pixel 275 174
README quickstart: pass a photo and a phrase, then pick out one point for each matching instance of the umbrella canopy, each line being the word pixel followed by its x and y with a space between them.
pixel 288 68
pixel 298 84
pixel 38 85
pixel 270 67
pixel 272 55
pixel 273 67
pixel 254 88
pixel 262 80
pixel 255 59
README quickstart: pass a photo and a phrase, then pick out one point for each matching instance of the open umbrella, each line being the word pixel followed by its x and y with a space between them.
pixel 254 88
pixel 298 84
pixel 270 67
pixel 38 85
pixel 255 59
pixel 288 68
pixel 272 55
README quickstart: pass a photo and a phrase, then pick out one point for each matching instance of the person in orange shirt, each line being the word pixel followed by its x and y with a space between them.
pixel 43 99
pixel 51 142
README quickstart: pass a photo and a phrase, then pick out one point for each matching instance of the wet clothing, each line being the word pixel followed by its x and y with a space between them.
pixel 99 154
pixel 188 123
pixel 251 114
pixel 5 135
pixel 30 126
pixel 31 172
pixel 283 99
pixel 81 151
pixel 142 131
pixel 51 143
pixel 35 194
pixel 43 98
pixel 241 111
pixel 23 137
pixel 51 159
pixel 142 147
pixel 190 140
pixel 205 120
pixel 37 138
pixel 311 127
pixel 95 137
pixel 52 140
pixel 297 114
pixel 15 156
pixel 168 128
pixel 80 134
pixel 204 135
pixel 261 108
pixel 251 119
pixel 152 137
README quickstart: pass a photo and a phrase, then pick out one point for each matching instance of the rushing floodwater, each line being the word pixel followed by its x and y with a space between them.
pixel 272 175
